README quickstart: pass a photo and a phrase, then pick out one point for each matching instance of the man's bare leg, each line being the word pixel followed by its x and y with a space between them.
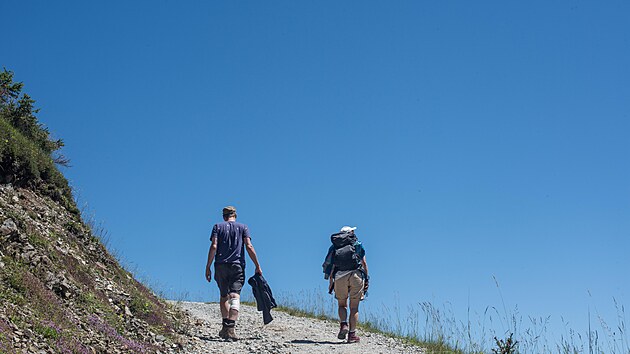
pixel 354 314
pixel 233 304
pixel 343 318
pixel 343 310
pixel 225 306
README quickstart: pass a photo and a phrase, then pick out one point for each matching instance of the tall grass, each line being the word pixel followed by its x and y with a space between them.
pixel 437 328
pixel 389 321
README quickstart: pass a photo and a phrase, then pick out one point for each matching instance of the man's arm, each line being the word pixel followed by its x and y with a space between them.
pixel 252 254
pixel 365 268
pixel 211 253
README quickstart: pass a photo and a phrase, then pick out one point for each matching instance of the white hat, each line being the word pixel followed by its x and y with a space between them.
pixel 348 229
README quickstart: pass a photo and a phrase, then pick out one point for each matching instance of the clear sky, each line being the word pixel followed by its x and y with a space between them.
pixel 464 139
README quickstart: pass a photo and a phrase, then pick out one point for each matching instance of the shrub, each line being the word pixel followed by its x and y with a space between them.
pixel 507 346
pixel 48 330
pixel 28 155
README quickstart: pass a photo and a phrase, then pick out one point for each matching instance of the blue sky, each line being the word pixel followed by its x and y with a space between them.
pixel 465 140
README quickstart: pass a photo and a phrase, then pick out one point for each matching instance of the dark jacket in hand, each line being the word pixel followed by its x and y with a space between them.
pixel 264 298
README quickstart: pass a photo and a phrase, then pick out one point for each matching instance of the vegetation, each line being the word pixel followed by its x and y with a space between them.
pixel 507 346
pixel 437 329
pixel 98 303
pixel 56 276
pixel 28 153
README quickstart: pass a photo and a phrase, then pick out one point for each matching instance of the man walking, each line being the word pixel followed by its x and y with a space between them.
pixel 347 269
pixel 229 240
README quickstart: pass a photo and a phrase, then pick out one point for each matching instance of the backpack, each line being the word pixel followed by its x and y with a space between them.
pixel 345 256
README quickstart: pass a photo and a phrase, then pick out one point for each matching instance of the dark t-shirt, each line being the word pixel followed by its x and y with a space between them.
pixel 230 243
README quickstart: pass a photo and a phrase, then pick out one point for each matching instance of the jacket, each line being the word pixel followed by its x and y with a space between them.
pixel 264 298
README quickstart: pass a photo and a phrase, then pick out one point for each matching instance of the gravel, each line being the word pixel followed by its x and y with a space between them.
pixel 286 334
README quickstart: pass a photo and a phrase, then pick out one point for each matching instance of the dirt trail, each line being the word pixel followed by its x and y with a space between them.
pixel 286 334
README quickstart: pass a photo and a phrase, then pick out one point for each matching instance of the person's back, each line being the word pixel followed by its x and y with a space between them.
pixel 347 271
pixel 230 245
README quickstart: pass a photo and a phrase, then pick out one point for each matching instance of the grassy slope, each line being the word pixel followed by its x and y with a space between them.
pixel 93 306
pixel 53 241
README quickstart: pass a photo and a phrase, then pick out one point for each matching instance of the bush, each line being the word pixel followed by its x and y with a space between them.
pixel 26 150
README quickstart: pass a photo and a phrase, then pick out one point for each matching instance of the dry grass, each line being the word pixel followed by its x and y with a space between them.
pixel 495 330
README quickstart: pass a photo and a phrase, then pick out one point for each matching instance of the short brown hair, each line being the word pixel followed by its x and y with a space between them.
pixel 229 211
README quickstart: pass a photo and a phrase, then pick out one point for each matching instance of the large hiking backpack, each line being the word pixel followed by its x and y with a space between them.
pixel 345 256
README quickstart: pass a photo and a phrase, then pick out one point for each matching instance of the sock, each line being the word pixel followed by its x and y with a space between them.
pixel 228 322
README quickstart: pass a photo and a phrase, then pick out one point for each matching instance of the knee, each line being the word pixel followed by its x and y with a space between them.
pixel 235 303
pixel 354 309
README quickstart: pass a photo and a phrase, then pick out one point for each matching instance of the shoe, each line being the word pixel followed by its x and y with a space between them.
pixel 223 332
pixel 343 330
pixel 353 338
pixel 231 334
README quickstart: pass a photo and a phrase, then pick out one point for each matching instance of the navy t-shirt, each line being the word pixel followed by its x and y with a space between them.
pixel 230 243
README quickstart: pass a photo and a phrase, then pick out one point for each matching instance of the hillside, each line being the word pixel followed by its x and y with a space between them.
pixel 62 292
pixel 60 289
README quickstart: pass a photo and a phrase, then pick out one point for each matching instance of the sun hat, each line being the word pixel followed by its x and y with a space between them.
pixel 348 229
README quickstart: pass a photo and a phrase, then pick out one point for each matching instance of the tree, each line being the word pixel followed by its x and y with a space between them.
pixel 28 154
pixel 9 90
pixel 20 112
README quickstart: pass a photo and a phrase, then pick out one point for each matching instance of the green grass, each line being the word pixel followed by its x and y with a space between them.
pixel 47 332
pixel 27 165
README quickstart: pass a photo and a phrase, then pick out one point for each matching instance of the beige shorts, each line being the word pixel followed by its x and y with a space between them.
pixel 350 285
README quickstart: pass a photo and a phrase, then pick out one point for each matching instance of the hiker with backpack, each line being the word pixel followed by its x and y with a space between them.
pixel 230 239
pixel 347 270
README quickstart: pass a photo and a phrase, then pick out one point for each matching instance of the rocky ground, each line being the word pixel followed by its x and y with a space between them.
pixel 62 292
pixel 286 334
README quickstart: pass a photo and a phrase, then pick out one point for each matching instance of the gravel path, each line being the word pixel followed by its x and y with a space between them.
pixel 286 334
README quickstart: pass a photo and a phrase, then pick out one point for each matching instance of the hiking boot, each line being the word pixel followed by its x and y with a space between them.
pixel 231 334
pixel 353 338
pixel 223 332
pixel 343 330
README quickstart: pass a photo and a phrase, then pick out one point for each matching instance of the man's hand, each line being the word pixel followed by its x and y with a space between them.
pixel 208 274
pixel 366 284
pixel 259 270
